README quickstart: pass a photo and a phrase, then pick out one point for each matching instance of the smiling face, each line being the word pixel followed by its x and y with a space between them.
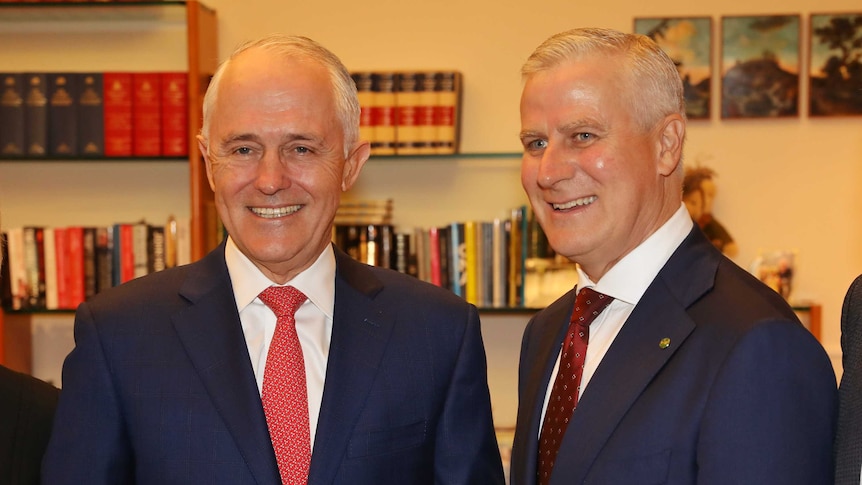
pixel 598 182
pixel 275 159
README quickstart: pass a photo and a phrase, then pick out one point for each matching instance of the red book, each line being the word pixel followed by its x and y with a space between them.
pixel 61 254
pixel 75 238
pixel 127 253
pixel 175 114
pixel 434 255
pixel 146 114
pixel 117 103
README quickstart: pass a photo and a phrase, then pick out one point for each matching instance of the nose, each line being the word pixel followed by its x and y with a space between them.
pixel 271 173
pixel 554 165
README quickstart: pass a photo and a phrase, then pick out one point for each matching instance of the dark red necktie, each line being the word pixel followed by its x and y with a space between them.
pixel 285 395
pixel 564 396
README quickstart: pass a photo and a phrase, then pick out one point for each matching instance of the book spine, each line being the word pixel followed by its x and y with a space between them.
pixel 126 253
pixel 61 255
pixel 407 89
pixel 89 245
pixel 140 234
pixel 383 114
pixel 17 268
pixel 77 292
pixel 155 249
pixel 146 114
pixel 447 112
pixel 402 252
pixel 426 127
pixel 117 108
pixel 36 114
pixel 175 118
pixel 62 114
pixel 445 258
pixel 50 254
pixel 104 260
pixel 31 264
pixel 366 99
pixel 458 258
pixel 434 251
pixel 12 121
pixel 91 122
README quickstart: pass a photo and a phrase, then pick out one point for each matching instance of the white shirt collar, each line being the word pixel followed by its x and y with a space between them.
pixel 631 276
pixel 317 282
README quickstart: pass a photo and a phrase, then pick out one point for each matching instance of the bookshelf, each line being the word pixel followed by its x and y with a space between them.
pixel 102 37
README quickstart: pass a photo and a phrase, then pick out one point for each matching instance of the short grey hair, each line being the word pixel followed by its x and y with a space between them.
pixel 654 81
pixel 294 46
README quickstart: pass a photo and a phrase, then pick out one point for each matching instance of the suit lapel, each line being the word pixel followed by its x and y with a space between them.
pixel 636 356
pixel 361 328
pixel 535 385
pixel 212 336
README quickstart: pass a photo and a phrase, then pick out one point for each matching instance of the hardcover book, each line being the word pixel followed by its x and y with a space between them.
pixel 175 114
pixel 447 112
pixel 36 114
pixel 383 114
pixel 91 123
pixel 117 102
pixel 62 114
pixel 407 95
pixel 12 141
pixel 363 83
pixel 146 114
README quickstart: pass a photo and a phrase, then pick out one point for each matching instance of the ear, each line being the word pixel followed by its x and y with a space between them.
pixel 353 165
pixel 202 146
pixel 671 138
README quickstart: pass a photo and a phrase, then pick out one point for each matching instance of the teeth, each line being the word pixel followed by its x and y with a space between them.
pixel 272 213
pixel 575 203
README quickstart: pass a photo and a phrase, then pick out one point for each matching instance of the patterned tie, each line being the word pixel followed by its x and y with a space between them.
pixel 285 395
pixel 564 396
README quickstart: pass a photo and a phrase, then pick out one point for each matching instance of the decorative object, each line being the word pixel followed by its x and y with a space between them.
pixel 760 66
pixel 688 41
pixel 775 268
pixel 835 67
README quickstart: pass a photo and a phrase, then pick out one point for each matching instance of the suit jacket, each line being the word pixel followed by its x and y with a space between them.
pixel 26 411
pixel 160 390
pixel 848 440
pixel 743 394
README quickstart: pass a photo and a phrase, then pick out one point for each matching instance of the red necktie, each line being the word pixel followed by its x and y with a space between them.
pixel 564 396
pixel 285 395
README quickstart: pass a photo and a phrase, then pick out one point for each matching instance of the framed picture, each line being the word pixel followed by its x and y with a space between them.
pixel 688 41
pixel 760 66
pixel 835 68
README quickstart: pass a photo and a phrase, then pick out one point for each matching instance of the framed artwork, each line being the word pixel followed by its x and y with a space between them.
pixel 688 41
pixel 760 66
pixel 835 67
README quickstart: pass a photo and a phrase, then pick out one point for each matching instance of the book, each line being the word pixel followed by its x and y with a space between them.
pixel 140 249
pixel 407 89
pixel 117 109
pixel 175 114
pixel 447 112
pixel 34 265
pixel 91 123
pixel 402 253
pixel 20 290
pixel 12 141
pixel 363 83
pixel 146 114
pixel 383 113
pixel 434 255
pixel 61 257
pixel 50 255
pixel 104 258
pixel 62 114
pixel 458 258
pixel 428 99
pixel 89 254
pixel 36 114
pixel 75 269
pixel 155 248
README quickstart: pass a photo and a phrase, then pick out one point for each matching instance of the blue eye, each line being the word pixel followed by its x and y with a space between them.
pixel 538 144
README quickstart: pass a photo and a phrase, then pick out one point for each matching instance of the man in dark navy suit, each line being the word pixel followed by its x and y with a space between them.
pixel 168 382
pixel 695 372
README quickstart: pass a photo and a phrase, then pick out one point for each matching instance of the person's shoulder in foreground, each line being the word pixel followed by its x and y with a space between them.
pixel 27 407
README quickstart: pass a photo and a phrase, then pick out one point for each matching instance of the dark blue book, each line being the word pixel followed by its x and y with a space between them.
pixel 36 114
pixel 62 114
pixel 91 121
pixel 12 115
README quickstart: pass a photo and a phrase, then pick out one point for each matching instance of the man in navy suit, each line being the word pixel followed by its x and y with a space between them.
pixel 848 439
pixel 696 372
pixel 164 384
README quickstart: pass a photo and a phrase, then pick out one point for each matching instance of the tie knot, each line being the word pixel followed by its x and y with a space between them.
pixel 588 304
pixel 282 300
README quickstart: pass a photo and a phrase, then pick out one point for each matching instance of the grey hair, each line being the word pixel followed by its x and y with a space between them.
pixel 344 89
pixel 656 87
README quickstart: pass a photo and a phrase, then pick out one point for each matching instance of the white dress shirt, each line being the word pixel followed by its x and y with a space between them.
pixel 626 282
pixel 313 318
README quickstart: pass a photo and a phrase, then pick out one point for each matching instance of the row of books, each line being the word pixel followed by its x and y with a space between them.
pixel 503 263
pixel 57 268
pixel 94 114
pixel 410 113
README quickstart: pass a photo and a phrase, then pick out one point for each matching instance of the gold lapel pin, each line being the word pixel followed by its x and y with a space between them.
pixel 664 343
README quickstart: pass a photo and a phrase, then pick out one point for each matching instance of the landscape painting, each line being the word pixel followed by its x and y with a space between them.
pixel 760 66
pixel 835 70
pixel 688 41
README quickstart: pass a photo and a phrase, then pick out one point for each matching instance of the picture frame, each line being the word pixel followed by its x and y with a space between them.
pixel 760 66
pixel 835 64
pixel 688 41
